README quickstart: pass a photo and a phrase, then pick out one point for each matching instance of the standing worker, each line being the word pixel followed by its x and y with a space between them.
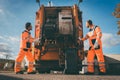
pixel 25 50
pixel 94 35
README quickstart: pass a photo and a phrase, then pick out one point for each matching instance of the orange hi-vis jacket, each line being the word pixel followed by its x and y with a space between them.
pixel 94 35
pixel 25 38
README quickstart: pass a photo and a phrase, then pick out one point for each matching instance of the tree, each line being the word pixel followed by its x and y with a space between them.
pixel 7 56
pixel 116 13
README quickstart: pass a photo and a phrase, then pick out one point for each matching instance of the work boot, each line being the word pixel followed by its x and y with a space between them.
pixel 89 73
pixel 33 72
pixel 20 72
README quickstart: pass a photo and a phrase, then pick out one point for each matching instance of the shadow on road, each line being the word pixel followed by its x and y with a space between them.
pixel 4 77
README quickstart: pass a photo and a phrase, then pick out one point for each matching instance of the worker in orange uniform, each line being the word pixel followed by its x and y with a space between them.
pixel 94 35
pixel 25 50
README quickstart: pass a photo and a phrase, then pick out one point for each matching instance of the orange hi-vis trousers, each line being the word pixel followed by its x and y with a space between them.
pixel 94 35
pixel 20 58
pixel 100 58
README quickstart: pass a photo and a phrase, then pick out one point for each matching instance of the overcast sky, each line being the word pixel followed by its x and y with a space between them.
pixel 15 13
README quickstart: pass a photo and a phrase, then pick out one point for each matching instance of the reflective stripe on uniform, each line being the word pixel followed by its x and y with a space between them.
pixel 90 67
pixel 30 65
pixel 102 66
pixel 101 62
pixel 30 62
pixel 90 63
pixel 19 63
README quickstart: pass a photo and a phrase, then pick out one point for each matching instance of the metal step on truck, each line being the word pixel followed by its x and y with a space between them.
pixel 58 28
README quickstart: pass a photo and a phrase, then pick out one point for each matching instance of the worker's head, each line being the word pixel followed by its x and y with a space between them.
pixel 28 26
pixel 89 23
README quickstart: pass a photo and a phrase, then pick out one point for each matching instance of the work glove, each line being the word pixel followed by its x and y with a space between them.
pixel 96 45
pixel 79 38
pixel 80 43
pixel 37 40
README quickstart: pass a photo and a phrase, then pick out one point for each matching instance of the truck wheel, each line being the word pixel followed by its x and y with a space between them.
pixel 71 61
pixel 43 70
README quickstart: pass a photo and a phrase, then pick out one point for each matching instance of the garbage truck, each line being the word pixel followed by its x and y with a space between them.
pixel 58 29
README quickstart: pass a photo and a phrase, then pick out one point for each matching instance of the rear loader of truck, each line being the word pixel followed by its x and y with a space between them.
pixel 59 49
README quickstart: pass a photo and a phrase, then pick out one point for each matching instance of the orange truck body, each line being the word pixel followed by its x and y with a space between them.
pixel 58 28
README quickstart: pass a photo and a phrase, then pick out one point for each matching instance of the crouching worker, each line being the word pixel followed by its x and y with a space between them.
pixel 25 50
pixel 94 35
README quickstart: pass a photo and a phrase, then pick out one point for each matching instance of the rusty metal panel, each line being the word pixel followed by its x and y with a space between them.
pixel 65 22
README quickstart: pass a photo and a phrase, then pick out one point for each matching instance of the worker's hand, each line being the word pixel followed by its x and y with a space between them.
pixel 79 38
pixel 37 40
pixel 96 45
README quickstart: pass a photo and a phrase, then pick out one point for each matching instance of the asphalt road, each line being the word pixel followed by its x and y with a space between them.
pixel 13 76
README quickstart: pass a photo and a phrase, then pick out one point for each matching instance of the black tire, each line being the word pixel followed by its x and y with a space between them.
pixel 71 61
pixel 43 70
pixel 44 66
